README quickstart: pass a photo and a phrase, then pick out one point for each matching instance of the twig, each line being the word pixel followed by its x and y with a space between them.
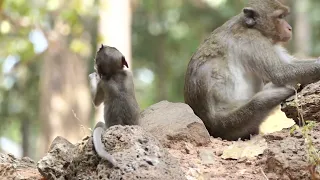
pixel 264 175
pixel 74 114
pixel 299 109
pixel 81 124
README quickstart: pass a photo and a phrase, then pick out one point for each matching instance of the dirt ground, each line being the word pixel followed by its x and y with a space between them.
pixel 285 157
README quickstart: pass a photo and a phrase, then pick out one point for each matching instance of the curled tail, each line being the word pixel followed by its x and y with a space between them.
pixel 98 145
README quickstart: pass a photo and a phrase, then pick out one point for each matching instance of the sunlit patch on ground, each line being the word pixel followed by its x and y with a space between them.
pixel 276 121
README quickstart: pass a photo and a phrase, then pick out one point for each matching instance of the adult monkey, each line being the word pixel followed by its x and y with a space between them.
pixel 224 83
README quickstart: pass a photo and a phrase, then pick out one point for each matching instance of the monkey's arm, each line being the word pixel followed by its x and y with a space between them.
pixel 98 145
pixel 277 68
pixel 286 57
pixel 96 89
pixel 305 61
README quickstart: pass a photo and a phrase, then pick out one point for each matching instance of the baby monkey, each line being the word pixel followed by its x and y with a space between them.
pixel 113 86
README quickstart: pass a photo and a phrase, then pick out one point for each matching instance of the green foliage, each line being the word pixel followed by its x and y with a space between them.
pixel 19 87
pixel 182 25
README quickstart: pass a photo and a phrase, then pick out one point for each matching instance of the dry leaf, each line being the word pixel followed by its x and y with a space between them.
pixel 245 149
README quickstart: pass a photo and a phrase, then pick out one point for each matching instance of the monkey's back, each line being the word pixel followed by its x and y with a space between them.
pixel 121 106
pixel 206 62
pixel 209 79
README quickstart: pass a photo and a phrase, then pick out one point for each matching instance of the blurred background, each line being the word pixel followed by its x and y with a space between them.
pixel 48 47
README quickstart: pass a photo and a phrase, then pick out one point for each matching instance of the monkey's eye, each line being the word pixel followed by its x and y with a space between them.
pixel 281 16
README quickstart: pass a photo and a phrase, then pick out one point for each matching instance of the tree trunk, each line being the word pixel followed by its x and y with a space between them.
pixel 115 30
pixel 25 132
pixel 64 94
pixel 161 69
pixel 302 30
pixel 160 58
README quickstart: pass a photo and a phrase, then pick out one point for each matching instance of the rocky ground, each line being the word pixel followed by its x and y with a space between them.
pixel 174 144
pixel 309 100
pixel 284 158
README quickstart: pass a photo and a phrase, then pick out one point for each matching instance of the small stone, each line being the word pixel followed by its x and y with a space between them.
pixel 219 152
pixel 189 148
pixel 248 162
pixel 206 156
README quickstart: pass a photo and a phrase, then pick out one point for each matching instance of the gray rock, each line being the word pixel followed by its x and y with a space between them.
pixel 308 99
pixel 172 122
pixel 139 156
pixel 60 155
pixel 18 169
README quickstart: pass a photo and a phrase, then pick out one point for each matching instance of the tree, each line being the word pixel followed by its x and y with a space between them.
pixel 64 94
pixel 302 28
pixel 115 30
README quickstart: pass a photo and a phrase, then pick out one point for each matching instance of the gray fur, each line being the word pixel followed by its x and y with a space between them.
pixel 114 87
pixel 224 82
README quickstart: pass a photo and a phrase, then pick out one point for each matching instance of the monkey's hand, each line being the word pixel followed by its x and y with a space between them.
pixel 94 80
pixel 318 60
pixel 97 93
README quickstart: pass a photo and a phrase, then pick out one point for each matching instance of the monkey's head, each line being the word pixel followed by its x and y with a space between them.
pixel 268 16
pixel 109 60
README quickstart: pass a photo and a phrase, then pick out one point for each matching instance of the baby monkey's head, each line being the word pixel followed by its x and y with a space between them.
pixel 108 61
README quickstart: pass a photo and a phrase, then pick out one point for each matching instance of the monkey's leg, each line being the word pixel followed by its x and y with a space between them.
pixel 98 145
pixel 245 120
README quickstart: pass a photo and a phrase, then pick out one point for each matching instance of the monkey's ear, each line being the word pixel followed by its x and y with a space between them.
pixel 101 47
pixel 124 62
pixel 249 16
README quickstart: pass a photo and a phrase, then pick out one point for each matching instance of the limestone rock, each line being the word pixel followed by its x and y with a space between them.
pixel 60 156
pixel 18 169
pixel 172 122
pixel 309 100
pixel 139 156
pixel 287 155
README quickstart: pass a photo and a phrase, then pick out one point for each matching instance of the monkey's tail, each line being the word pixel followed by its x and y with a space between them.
pixel 98 145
